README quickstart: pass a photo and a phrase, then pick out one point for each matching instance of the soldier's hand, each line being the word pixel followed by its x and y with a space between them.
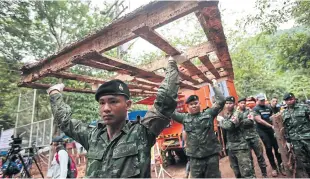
pixel 219 118
pixel 214 82
pixel 171 59
pixel 234 119
pixel 58 88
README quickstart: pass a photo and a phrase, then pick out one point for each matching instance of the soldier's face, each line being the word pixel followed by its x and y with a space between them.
pixel 229 105
pixel 113 109
pixel 290 101
pixel 242 105
pixel 193 107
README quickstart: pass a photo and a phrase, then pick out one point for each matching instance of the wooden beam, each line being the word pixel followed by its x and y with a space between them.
pixel 210 20
pixel 207 63
pixel 196 51
pixel 193 70
pixel 132 70
pixel 94 80
pixel 103 61
pixel 157 40
pixel 46 86
pixel 95 64
pixel 153 15
pixel 68 89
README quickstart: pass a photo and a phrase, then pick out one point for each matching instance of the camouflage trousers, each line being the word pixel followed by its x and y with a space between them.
pixel 256 146
pixel 207 167
pixel 302 153
pixel 240 163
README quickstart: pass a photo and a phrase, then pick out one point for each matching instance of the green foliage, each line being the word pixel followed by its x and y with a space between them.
pixel 269 15
pixel 36 29
pixel 273 64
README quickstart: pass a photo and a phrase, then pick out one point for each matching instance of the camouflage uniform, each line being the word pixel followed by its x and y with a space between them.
pixel 128 153
pixel 238 149
pixel 296 122
pixel 252 138
pixel 202 144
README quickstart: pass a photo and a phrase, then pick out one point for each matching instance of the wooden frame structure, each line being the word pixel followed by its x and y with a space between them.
pixel 142 22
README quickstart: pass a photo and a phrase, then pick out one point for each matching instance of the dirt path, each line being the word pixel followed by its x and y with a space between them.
pixel 178 170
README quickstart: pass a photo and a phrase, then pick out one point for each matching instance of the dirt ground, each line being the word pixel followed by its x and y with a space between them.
pixel 178 170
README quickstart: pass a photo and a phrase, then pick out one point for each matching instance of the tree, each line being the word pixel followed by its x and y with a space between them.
pixel 36 29
pixel 271 14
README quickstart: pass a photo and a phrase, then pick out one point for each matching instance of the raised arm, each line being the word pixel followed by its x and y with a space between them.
pixel 179 117
pixel 62 117
pixel 219 100
pixel 158 117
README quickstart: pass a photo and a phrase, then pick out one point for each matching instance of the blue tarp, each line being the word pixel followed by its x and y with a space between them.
pixel 3 153
pixel 132 116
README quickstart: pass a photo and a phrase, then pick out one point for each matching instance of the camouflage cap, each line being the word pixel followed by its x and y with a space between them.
pixel 230 98
pixel 113 87
pixel 288 96
pixel 191 98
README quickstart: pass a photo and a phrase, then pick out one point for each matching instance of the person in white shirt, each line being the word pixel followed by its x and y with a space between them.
pixel 59 165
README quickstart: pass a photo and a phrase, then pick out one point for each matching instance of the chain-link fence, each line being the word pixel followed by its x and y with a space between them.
pixel 41 133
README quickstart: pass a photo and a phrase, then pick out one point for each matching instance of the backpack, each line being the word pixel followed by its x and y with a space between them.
pixel 72 170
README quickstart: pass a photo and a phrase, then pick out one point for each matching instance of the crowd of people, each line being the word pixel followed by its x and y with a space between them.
pixel 117 148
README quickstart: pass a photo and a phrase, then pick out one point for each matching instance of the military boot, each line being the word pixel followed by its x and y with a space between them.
pixel 264 172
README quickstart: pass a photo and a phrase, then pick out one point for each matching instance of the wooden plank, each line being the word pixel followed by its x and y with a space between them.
pixel 46 86
pixel 94 80
pixel 102 66
pixel 210 20
pixel 196 51
pixel 193 70
pixel 207 63
pixel 118 64
pixel 133 71
pixel 289 161
pixel 76 90
pixel 157 40
pixel 154 15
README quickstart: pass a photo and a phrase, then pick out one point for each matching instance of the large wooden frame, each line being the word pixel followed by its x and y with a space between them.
pixel 143 80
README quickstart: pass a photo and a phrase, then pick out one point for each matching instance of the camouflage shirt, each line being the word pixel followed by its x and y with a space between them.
pixel 234 134
pixel 296 122
pixel 201 139
pixel 247 125
pixel 128 153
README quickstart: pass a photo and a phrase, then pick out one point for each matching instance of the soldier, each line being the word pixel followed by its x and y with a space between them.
pixel 238 149
pixel 296 122
pixel 262 114
pixel 202 145
pixel 249 132
pixel 116 148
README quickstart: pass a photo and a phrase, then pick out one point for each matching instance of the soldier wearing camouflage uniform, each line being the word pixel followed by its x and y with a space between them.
pixel 249 132
pixel 117 148
pixel 202 144
pixel 238 149
pixel 296 122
